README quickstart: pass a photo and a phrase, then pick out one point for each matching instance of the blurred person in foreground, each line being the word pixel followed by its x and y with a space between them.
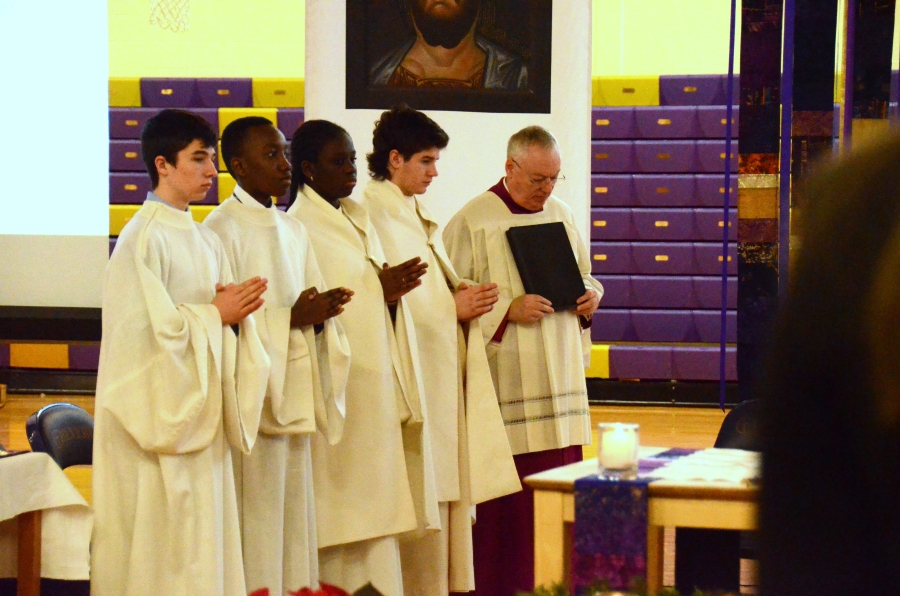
pixel 829 514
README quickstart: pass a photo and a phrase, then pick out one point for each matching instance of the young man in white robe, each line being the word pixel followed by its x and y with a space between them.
pixel 472 458
pixel 308 351
pixel 374 484
pixel 537 355
pixel 169 410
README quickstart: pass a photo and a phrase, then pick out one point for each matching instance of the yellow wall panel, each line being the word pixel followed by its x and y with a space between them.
pixel 125 92
pixel 599 368
pixel 229 115
pixel 39 355
pixel 225 38
pixel 626 91
pixel 278 93
pixel 199 212
pixel 119 215
pixel 226 186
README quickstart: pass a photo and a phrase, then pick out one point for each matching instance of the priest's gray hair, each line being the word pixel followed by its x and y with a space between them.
pixel 530 136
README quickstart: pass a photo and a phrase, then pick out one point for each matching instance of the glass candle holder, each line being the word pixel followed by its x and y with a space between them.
pixel 617 450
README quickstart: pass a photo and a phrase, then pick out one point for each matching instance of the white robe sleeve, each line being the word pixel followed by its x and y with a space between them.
pixel 331 366
pixel 584 267
pixel 165 391
pixel 461 244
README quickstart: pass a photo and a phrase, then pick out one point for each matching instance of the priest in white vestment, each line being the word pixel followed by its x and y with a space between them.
pixel 169 410
pixel 374 484
pixel 537 355
pixel 309 355
pixel 472 458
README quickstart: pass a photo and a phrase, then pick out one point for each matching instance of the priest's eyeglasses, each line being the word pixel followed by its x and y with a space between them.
pixel 539 181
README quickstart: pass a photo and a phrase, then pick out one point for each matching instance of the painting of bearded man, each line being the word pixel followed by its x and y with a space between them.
pixel 471 55
pixel 448 52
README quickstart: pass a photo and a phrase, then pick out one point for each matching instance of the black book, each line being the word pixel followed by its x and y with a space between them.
pixel 546 263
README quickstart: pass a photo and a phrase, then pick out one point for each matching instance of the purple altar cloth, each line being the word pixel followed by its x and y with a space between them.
pixel 610 534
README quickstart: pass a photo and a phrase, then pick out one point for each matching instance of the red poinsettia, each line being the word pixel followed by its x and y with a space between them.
pixel 324 590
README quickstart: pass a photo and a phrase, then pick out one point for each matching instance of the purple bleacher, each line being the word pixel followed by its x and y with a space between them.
pixel 640 362
pixel 211 115
pixel 654 291
pixel 125 156
pixel 611 257
pixel 225 93
pixel 616 291
pixel 665 156
pixel 708 292
pixel 127 123
pixel 708 258
pixel 611 224
pixel 674 122
pixel 612 123
pixel 713 120
pixel 663 224
pixel 708 325
pixel 289 119
pixel 112 245
pixel 169 93
pixel 611 190
pixel 4 355
pixel 710 190
pixel 612 157
pixel 735 92
pixel 84 357
pixel 657 258
pixel 128 188
pixel 690 90
pixel 701 363
pixel 612 325
pixel 663 325
pixel 711 156
pixel 708 224
pixel 663 190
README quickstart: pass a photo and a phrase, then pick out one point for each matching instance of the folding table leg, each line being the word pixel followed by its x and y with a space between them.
pixel 549 538
pixel 655 559
pixel 29 575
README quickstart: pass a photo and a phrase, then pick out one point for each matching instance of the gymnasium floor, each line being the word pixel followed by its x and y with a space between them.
pixel 660 426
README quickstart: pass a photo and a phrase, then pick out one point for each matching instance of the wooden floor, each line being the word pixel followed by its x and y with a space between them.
pixel 659 426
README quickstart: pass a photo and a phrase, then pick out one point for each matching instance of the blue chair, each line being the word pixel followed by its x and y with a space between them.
pixel 711 559
pixel 63 431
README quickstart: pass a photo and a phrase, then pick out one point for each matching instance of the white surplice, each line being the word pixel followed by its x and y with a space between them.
pixel 538 368
pixel 169 408
pixel 459 396
pixel 305 391
pixel 377 482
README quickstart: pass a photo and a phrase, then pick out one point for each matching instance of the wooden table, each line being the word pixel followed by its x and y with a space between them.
pixel 715 505
pixel 39 496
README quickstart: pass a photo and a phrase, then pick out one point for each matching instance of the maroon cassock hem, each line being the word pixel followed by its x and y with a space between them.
pixel 503 535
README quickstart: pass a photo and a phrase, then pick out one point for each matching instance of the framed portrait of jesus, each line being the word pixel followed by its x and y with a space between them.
pixel 457 55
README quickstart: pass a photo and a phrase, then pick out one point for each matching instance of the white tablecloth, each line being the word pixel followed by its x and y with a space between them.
pixel 33 481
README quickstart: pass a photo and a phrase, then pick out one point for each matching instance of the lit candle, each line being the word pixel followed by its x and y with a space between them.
pixel 618 447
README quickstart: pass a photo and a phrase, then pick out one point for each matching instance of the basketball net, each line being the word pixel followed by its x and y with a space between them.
pixel 173 15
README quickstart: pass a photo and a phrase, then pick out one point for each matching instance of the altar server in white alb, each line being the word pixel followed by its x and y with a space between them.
pixel 169 409
pixel 366 493
pixel 472 459
pixel 309 354
pixel 537 355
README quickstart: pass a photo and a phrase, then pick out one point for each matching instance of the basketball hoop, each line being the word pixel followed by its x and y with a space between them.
pixel 173 15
